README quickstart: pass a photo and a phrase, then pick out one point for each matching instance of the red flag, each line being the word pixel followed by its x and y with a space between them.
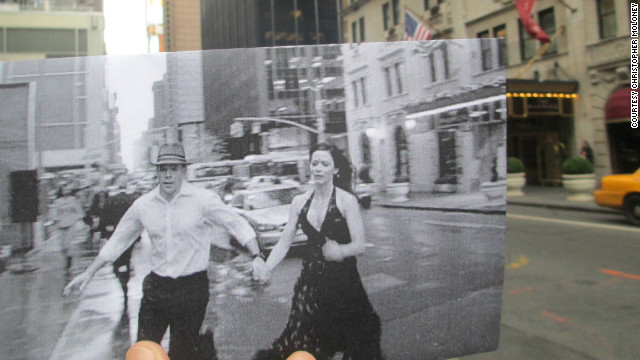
pixel 536 32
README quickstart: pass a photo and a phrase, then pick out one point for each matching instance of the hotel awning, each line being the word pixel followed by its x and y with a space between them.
pixel 618 106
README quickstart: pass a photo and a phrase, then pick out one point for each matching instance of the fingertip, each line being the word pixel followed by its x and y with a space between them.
pixel 146 350
pixel 301 355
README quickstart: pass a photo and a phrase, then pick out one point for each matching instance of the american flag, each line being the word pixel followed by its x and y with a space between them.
pixel 413 28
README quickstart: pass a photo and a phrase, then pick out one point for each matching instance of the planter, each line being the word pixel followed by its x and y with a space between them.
pixel 580 187
pixel 515 183
pixel 494 191
pixel 444 188
pixel 398 191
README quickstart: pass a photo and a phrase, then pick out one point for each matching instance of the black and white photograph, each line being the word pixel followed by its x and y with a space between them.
pixel 346 200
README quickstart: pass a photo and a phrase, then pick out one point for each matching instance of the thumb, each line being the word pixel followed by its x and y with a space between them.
pixel 146 350
pixel 300 355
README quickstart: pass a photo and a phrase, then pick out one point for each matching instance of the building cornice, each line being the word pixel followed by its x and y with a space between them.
pixel 352 8
pixel 491 15
pixel 552 86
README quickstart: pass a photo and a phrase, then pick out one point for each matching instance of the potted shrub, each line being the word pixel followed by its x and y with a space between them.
pixel 515 177
pixel 578 178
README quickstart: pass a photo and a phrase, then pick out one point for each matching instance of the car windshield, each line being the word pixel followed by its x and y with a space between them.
pixel 269 198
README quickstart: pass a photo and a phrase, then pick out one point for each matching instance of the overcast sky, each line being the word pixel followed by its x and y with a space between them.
pixel 131 76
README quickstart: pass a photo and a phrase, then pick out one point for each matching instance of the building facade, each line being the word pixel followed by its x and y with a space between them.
pixel 256 23
pixel 405 101
pixel 305 85
pixel 73 121
pixel 181 27
pixel 31 29
pixel 563 97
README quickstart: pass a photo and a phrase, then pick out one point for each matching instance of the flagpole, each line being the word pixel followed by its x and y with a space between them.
pixel 573 10
pixel 540 52
pixel 427 22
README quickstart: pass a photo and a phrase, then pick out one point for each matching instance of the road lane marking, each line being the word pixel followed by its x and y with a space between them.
pixel 555 317
pixel 521 290
pixel 571 222
pixel 522 261
pixel 603 340
pixel 620 274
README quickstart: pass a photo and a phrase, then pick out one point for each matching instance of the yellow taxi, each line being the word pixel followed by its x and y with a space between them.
pixel 621 192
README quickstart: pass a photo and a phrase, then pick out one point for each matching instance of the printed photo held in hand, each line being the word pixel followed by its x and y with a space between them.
pixel 148 350
pixel 345 200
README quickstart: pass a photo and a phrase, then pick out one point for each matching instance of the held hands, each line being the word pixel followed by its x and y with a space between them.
pixel 332 251
pixel 260 270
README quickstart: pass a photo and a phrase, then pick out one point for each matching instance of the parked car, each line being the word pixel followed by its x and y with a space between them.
pixel 621 192
pixel 267 210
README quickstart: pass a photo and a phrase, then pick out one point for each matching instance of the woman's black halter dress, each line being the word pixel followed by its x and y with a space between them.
pixel 330 309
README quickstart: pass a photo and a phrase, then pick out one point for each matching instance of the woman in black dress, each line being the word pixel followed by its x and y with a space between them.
pixel 330 310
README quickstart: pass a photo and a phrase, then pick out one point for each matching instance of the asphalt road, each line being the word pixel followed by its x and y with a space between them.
pixel 571 290
pixel 572 286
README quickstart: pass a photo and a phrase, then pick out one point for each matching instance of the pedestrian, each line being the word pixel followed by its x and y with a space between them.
pixel 116 204
pixel 586 151
pixel 330 311
pixel 67 213
pixel 177 216
pixel 92 215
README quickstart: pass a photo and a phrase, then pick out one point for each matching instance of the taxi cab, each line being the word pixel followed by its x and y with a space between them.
pixel 621 192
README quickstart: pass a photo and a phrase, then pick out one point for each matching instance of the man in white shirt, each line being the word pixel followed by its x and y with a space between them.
pixel 178 217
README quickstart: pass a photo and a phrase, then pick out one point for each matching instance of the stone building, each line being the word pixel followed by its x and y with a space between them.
pixel 425 114
pixel 571 93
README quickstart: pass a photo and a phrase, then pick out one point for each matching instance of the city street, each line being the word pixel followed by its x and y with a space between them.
pixel 572 280
pixel 572 284
pixel 418 271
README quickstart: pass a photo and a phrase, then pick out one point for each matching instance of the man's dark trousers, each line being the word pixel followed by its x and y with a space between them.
pixel 179 303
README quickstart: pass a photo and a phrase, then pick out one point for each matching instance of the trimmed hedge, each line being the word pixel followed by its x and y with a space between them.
pixel 514 165
pixel 577 165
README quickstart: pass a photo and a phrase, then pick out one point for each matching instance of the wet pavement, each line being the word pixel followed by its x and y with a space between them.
pixel 423 275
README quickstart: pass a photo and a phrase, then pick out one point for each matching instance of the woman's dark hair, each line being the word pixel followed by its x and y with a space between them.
pixel 343 178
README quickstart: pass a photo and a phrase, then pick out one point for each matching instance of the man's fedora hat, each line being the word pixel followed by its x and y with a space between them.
pixel 171 154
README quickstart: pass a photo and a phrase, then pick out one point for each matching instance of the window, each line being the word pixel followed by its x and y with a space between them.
pixel 445 60
pixel 501 32
pixel 398 78
pixel 430 3
pixel 363 89
pixel 485 50
pixel 527 44
pixel 432 64
pixel 386 16
pixel 354 85
pixel 607 18
pixel 395 4
pixel 393 79
pixel 354 32
pixel 548 24
pixel 387 78
pixel 362 37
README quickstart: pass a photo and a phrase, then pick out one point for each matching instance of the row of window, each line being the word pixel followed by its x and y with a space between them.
pixel 607 26
pixel 546 20
pixel 438 65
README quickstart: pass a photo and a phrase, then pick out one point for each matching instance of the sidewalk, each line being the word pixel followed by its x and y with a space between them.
pixel 552 197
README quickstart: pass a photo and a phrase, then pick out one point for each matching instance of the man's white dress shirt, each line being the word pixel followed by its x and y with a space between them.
pixel 179 230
